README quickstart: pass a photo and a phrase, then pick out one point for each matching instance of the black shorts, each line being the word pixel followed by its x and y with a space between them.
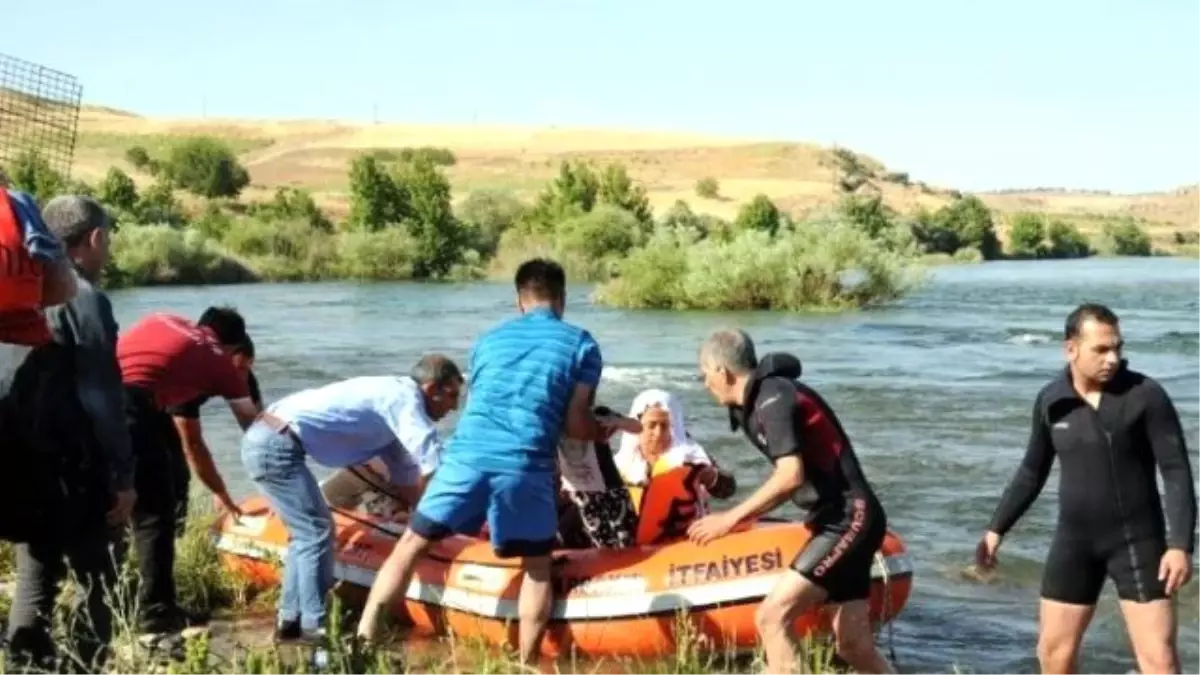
pixel 841 554
pixel 1077 567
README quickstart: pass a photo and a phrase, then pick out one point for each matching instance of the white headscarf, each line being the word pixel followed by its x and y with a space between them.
pixel 683 449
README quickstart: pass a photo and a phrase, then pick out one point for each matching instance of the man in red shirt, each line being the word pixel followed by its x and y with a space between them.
pixel 167 361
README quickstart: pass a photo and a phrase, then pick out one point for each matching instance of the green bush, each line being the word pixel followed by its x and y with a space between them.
pixel 151 255
pixel 708 188
pixel 118 190
pixel 1124 237
pixel 759 214
pixel 964 222
pixel 1027 236
pixel 205 166
pixel 805 267
pixel 30 172
pixel 1066 241
pixel 387 254
pixel 488 214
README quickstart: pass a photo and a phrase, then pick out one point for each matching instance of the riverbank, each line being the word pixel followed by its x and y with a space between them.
pixel 238 636
pixel 196 224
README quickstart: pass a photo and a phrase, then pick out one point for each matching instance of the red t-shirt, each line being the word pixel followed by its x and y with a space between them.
pixel 177 361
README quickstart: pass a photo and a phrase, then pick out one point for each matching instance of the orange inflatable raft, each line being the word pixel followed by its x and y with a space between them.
pixel 608 602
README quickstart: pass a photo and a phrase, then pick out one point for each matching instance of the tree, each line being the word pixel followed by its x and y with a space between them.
pixel 971 221
pixel 138 157
pixel 870 214
pixel 375 199
pixel 206 167
pixel 618 189
pixel 1027 236
pixel 488 214
pixel 1125 237
pixel 431 222
pixel 1066 241
pixel 31 172
pixel 118 190
pixel 760 213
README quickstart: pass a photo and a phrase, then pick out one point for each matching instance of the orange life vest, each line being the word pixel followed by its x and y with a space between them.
pixel 22 321
pixel 667 505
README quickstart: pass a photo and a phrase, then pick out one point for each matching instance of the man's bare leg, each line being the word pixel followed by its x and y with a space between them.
pixel 856 641
pixel 533 606
pixel 1061 632
pixel 792 595
pixel 391 581
pixel 1152 631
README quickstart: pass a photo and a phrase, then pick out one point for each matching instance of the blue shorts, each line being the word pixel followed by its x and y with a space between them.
pixel 521 509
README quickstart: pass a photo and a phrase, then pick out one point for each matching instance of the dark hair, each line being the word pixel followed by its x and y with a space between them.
pixel 226 323
pixel 72 218
pixel 438 369
pixel 1088 310
pixel 542 279
pixel 245 348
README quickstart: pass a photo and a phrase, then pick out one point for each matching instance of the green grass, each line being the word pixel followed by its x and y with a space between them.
pixel 158 145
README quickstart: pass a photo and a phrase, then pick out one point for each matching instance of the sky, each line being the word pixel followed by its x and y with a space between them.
pixel 960 93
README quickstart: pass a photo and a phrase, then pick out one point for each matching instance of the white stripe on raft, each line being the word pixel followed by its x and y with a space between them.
pixel 572 608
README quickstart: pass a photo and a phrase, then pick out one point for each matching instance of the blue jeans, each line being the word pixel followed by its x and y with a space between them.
pixel 275 462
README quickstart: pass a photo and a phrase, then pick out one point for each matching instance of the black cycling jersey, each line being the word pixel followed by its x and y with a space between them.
pixel 1111 519
pixel 782 416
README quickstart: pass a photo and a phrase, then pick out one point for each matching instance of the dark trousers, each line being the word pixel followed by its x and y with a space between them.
pixel 161 481
pixel 41 569
pixel 54 497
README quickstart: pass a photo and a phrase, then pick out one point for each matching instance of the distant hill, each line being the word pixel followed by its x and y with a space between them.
pixel 314 154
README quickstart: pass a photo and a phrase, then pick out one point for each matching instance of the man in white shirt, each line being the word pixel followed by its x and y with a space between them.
pixel 343 424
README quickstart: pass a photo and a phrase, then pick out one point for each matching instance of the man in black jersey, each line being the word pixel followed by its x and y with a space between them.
pixel 1111 426
pixel 816 467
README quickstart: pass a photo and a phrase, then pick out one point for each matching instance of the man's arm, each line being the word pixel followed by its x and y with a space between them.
pixel 200 459
pixel 1030 477
pixel 86 324
pixel 581 422
pixel 778 410
pixel 404 474
pixel 1170 453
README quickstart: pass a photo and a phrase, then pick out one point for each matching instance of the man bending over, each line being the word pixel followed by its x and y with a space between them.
pixel 532 377
pixel 342 424
pixel 816 467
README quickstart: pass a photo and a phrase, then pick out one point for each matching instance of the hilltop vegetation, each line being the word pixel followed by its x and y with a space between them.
pixel 231 202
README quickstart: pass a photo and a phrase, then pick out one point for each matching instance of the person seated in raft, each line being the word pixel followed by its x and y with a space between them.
pixel 595 510
pixel 342 424
pixel 664 444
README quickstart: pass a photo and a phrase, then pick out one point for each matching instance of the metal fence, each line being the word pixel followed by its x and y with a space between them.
pixel 39 113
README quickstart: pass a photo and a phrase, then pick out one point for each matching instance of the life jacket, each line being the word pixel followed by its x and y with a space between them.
pixel 668 504
pixel 22 321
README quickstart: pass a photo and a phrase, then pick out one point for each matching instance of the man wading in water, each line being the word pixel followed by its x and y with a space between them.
pixel 1111 426
pixel 790 424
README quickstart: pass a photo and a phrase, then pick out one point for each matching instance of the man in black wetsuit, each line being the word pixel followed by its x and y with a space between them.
pixel 816 467
pixel 1111 426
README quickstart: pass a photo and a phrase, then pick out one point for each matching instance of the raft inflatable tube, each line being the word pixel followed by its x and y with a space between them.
pixel 607 602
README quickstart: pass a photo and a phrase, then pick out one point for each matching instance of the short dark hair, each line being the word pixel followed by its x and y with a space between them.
pixel 245 348
pixel 541 278
pixel 226 323
pixel 438 369
pixel 1088 310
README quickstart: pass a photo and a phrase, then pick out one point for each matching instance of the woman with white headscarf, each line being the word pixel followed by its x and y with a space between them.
pixel 664 444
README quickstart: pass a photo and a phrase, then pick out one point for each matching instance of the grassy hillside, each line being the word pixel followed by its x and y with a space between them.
pixel 314 154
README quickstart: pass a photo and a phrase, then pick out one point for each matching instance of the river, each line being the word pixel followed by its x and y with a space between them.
pixel 935 391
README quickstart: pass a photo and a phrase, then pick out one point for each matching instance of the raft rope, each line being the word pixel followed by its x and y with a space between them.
pixel 376 486
pixel 887 607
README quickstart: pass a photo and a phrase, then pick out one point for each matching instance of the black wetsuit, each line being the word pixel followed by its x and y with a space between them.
pixel 782 416
pixel 1111 520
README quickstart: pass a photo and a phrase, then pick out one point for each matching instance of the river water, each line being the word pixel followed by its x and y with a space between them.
pixel 935 391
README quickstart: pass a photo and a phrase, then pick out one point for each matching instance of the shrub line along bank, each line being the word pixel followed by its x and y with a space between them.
pixel 596 221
